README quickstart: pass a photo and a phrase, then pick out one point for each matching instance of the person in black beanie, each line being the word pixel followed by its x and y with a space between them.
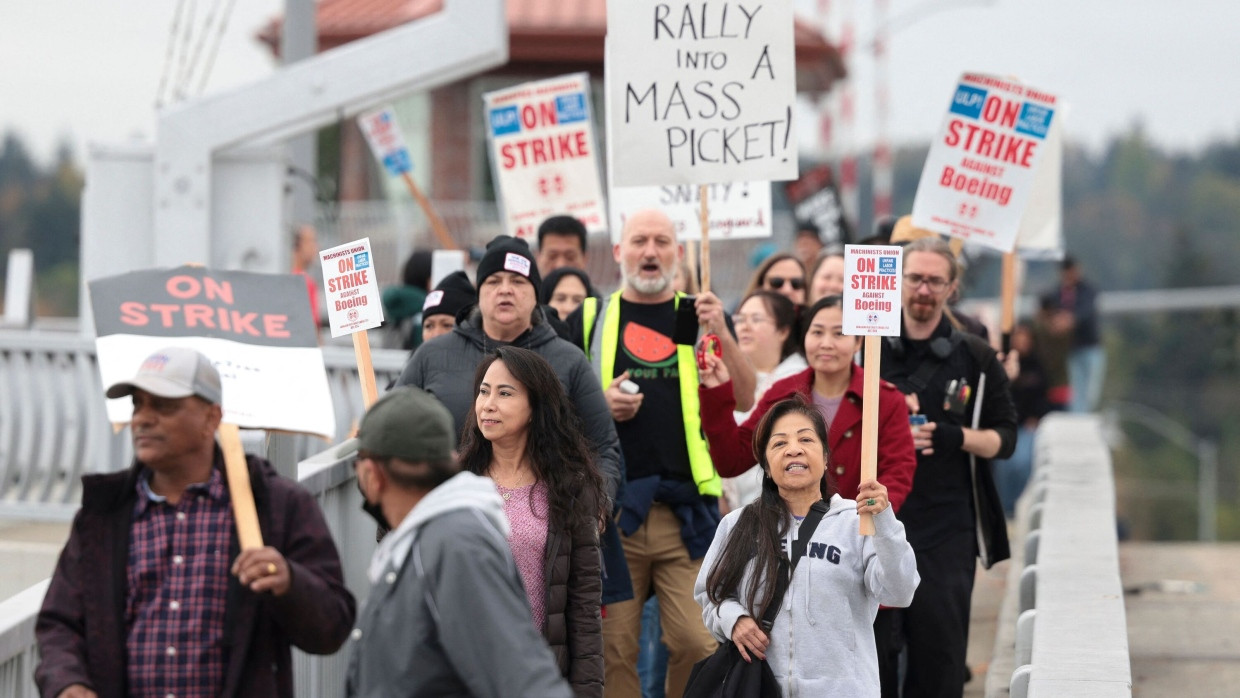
pixel 507 313
pixel 452 295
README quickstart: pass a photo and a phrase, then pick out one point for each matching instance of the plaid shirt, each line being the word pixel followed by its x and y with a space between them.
pixel 177 586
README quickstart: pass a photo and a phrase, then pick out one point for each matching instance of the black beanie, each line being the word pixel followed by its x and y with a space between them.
pixel 506 253
pixel 452 295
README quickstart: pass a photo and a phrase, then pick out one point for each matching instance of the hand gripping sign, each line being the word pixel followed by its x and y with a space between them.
pixel 872 307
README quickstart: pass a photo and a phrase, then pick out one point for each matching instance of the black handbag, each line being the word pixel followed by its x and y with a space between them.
pixel 725 674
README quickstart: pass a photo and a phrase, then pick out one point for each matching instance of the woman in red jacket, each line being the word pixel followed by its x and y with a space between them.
pixel 833 384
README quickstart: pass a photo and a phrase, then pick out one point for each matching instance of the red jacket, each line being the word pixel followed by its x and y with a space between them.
pixel 731 446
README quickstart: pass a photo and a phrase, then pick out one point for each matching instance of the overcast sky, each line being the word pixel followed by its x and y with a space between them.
pixel 89 70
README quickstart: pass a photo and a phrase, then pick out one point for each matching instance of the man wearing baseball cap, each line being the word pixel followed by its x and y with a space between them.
pixel 447 615
pixel 152 595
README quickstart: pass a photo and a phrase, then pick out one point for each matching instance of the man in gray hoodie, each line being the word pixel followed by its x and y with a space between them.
pixel 447 615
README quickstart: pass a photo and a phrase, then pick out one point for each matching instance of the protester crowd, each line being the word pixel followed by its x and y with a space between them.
pixel 582 499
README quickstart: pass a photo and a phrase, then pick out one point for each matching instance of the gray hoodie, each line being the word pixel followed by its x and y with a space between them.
pixel 822 643
pixel 447 615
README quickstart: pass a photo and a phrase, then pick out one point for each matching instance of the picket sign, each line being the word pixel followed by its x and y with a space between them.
pixel 353 303
pixel 872 308
pixel 383 134
pixel 257 331
pixel 711 88
pixel 993 175
pixel 540 136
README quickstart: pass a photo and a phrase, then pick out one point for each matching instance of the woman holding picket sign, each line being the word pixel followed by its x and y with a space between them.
pixel 834 384
pixel 792 568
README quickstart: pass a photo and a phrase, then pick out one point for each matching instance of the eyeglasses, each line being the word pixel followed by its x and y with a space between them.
pixel 935 283
pixel 752 319
pixel 777 282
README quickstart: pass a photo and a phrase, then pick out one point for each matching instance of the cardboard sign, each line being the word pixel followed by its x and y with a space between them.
pixel 815 199
pixel 541 138
pixel 255 328
pixel 701 92
pixel 382 132
pixel 353 303
pixel 737 210
pixel 873 277
pixel 982 166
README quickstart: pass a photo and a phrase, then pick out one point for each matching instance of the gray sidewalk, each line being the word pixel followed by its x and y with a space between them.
pixel 28 553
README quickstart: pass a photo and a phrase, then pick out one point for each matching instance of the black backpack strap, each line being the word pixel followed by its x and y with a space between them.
pixel 799 546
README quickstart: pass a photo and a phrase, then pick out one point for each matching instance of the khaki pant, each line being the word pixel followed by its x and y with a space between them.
pixel 656 555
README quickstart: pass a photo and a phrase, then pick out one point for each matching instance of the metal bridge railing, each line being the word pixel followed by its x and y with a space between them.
pixel 54 429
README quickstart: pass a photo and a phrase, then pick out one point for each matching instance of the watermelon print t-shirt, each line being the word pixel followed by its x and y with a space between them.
pixel 654 441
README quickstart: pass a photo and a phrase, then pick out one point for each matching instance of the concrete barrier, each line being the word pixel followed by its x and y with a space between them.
pixel 1062 629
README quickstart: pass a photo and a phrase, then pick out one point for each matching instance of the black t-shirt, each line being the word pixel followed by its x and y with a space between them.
pixel 654 440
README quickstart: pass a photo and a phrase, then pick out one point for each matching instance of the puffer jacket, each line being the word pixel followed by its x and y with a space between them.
pixel 574 628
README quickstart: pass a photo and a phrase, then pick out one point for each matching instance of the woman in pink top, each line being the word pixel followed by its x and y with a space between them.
pixel 524 435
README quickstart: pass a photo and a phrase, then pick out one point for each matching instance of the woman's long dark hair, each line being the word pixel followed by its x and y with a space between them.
pixel 784 313
pixel 764 523
pixel 557 451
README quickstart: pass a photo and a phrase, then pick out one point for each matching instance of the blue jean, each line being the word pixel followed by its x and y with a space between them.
pixel 1087 367
pixel 1012 474
pixel 652 660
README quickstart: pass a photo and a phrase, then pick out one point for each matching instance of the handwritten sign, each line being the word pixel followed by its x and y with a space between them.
pixel 382 133
pixel 982 166
pixel 256 329
pixel 872 276
pixel 737 210
pixel 815 199
pixel 541 137
pixel 352 292
pixel 701 92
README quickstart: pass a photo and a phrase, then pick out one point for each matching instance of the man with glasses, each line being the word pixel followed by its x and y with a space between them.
pixel 956 382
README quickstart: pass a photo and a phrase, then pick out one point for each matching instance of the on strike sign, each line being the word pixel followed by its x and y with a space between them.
pixel 872 275
pixel 352 291
pixel 701 92
pixel 542 153
pixel 255 328
pixel 981 167
pixel 383 134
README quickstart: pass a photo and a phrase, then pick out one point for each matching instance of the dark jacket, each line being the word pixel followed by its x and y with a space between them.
pixel 574 628
pixel 953 493
pixel 81 627
pixel 445 367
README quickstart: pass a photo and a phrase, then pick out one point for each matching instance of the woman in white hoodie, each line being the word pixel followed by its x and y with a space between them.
pixel 822 639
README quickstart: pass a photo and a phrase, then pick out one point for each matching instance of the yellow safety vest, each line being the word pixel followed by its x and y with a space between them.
pixel 601 350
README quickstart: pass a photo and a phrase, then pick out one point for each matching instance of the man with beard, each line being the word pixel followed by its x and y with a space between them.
pixel 953 514
pixel 669 509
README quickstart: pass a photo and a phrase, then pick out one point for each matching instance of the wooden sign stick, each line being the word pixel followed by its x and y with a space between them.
pixel 869 420
pixel 245 515
pixel 437 224
pixel 1007 311
pixel 365 368
pixel 704 261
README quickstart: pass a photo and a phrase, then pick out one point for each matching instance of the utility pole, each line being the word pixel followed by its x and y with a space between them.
pixel 298 41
